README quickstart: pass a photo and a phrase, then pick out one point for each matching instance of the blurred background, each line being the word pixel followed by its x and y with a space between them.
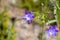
pixel 14 27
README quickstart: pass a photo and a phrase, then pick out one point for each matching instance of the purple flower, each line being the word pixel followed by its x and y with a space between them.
pixel 28 16
pixel 52 31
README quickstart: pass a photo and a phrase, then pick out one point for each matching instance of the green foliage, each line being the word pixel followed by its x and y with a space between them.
pixel 38 18
pixel 4 23
pixel 58 37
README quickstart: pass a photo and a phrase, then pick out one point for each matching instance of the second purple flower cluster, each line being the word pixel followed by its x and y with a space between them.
pixel 52 31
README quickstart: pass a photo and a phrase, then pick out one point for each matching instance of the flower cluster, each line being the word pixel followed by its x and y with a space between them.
pixel 52 31
pixel 28 16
